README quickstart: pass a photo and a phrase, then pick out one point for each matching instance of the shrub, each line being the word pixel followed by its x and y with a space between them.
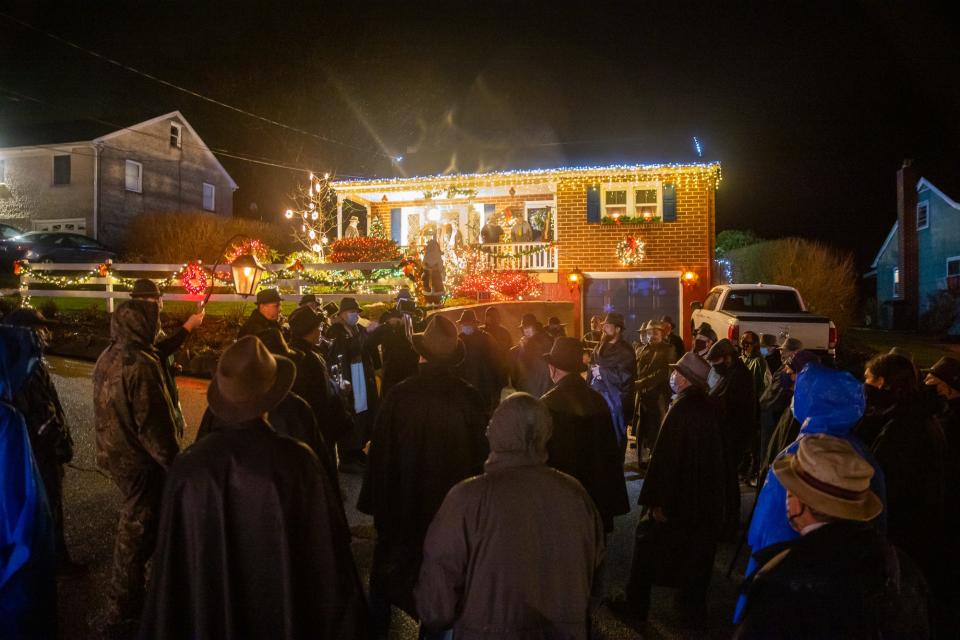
pixel 179 237
pixel 940 314
pixel 824 276
pixel 48 308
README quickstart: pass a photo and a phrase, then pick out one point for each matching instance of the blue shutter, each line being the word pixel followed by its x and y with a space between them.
pixel 593 204
pixel 669 203
pixel 395 225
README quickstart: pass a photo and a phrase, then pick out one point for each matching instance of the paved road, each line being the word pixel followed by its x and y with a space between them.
pixel 92 504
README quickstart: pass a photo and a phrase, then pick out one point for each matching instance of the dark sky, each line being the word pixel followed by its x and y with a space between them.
pixel 810 107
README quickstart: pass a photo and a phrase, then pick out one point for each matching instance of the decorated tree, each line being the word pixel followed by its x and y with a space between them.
pixel 377 229
pixel 313 215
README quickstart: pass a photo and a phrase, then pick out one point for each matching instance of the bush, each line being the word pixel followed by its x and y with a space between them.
pixel 824 276
pixel 179 237
pixel 49 309
pixel 940 314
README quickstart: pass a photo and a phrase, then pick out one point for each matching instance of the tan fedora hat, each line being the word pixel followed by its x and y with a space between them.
pixel 249 381
pixel 440 342
pixel 827 474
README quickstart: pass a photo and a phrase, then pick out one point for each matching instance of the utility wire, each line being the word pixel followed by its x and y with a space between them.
pixel 190 92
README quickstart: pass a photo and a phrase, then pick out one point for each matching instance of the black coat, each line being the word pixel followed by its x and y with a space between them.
pixel 480 366
pixel 653 370
pixel 687 477
pixel 257 324
pixel 313 384
pixel 839 581
pixel 679 348
pixel 428 436
pixel 910 450
pixel 529 371
pixel 398 356
pixel 584 445
pixel 351 345
pixel 738 410
pixel 253 544
pixel 39 403
pixel 618 368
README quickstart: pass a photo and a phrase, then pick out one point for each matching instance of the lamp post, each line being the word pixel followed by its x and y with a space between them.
pixel 246 270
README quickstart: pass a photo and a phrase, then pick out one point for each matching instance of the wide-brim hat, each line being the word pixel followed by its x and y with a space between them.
pixel 308 298
pixel 566 354
pixel 554 321
pixel 304 320
pixel 828 475
pixel 349 304
pixel 693 368
pixel 615 319
pixel 643 327
pixel 268 296
pixel 249 381
pixel 946 369
pixel 768 340
pixel 145 288
pixel 706 331
pixel 529 320
pixel 791 344
pixel 667 320
pixel 440 342
pixel 467 316
pixel 721 349
pixel 331 309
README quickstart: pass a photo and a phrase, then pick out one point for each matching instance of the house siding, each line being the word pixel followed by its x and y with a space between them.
pixel 172 178
pixel 937 242
pixel 30 195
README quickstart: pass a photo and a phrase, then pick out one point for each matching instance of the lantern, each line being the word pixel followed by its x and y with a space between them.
pixel 690 278
pixel 247 273
pixel 574 278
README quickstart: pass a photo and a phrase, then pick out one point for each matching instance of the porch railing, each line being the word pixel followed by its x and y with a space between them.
pixel 521 256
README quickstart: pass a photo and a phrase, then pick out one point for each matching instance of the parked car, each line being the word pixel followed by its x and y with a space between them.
pixel 7 232
pixel 733 309
pixel 43 246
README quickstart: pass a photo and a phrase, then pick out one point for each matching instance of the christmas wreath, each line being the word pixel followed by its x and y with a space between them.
pixel 631 250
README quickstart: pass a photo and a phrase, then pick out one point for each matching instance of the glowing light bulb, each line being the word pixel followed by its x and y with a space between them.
pixel 312 234
pixel 312 206
pixel 289 213
pixel 314 215
pixel 316 248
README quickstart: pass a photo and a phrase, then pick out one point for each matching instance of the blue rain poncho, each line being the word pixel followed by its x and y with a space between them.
pixel 825 401
pixel 28 587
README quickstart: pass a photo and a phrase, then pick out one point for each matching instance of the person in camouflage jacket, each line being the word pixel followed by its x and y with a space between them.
pixel 137 441
pixel 50 438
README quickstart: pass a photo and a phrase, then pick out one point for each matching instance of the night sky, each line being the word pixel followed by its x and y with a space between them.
pixel 810 108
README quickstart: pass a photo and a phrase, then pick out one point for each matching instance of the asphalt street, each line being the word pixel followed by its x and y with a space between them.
pixel 91 505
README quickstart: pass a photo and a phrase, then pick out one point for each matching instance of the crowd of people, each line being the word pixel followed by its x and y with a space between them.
pixel 493 471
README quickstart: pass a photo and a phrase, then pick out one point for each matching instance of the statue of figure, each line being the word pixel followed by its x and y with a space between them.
pixel 352 231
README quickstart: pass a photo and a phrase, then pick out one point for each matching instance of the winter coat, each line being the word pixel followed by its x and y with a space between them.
pixel 491 233
pixel 529 371
pixel 910 450
pixel 757 366
pixel 167 347
pixel 257 324
pixel 313 384
pixel 687 477
pixel 502 343
pixel 738 412
pixel 351 345
pixel 653 371
pixel 399 358
pixel 495 563
pixel 584 445
pixel 253 544
pixel 769 525
pixel 841 580
pixel 428 436
pixel 618 368
pixel 135 418
pixel 480 366
pixel 39 403
pixel 28 585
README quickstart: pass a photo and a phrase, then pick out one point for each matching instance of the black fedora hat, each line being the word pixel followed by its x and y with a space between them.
pixel 249 381
pixel 349 304
pixel 946 369
pixel 308 298
pixel 567 355
pixel 268 296
pixel 615 319
pixel 145 288
pixel 529 320
pixel 439 343
pixel 467 316
pixel 304 320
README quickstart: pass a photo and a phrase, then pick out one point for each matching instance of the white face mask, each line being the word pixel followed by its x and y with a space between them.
pixel 713 378
pixel 467 329
pixel 674 383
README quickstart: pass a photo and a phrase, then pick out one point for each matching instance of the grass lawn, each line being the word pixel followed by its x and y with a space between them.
pixel 171 307
pixel 925 349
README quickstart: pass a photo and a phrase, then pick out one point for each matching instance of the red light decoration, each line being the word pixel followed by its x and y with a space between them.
pixel 194 279
pixel 251 246
pixel 503 285
pixel 364 249
pixel 297 265
pixel 17 267
pixel 103 269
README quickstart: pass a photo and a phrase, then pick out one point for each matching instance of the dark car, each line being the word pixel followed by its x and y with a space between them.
pixel 7 232
pixel 44 246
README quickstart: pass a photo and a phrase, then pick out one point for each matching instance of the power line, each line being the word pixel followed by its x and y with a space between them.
pixel 190 92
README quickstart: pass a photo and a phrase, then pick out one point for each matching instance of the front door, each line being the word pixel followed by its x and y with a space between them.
pixel 637 296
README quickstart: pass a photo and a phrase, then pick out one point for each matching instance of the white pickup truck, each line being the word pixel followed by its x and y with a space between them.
pixel 732 309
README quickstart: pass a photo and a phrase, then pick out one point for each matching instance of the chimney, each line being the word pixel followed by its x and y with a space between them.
pixel 907 234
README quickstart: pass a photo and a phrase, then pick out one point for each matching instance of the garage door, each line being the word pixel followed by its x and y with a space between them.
pixel 637 296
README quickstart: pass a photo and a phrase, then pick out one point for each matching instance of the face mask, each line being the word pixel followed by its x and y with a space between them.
pixel 764 351
pixel 721 368
pixel 467 330
pixel 353 318
pixel 674 386
pixel 713 378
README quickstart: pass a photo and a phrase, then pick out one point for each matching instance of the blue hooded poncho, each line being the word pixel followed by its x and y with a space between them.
pixel 825 401
pixel 28 587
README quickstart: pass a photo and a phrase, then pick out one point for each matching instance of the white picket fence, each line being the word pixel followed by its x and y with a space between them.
pixel 147 271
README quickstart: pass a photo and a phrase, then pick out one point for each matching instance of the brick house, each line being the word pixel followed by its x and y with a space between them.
pixel 920 257
pixel 574 215
pixel 93 179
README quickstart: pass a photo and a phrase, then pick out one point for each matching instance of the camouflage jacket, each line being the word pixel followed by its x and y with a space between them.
pixel 135 416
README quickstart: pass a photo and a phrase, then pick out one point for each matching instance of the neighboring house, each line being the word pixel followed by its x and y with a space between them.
pixel 921 255
pixel 94 179
pixel 573 215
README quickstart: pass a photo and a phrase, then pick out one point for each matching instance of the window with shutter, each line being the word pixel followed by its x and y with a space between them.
pixel 209 197
pixel 61 169
pixel 923 215
pixel 133 177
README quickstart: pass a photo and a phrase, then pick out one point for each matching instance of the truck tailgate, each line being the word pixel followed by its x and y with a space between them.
pixel 813 331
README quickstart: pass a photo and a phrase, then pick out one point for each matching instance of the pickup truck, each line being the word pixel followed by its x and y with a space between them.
pixel 733 309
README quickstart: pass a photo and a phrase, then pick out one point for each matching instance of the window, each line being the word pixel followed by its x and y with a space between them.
pixel 540 216
pixel 209 197
pixel 175 135
pixel 711 302
pixel 133 177
pixel 61 169
pixel 638 200
pixel 953 273
pixel 72 225
pixel 762 301
pixel 923 215
pixel 897 285
pixel 3 171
